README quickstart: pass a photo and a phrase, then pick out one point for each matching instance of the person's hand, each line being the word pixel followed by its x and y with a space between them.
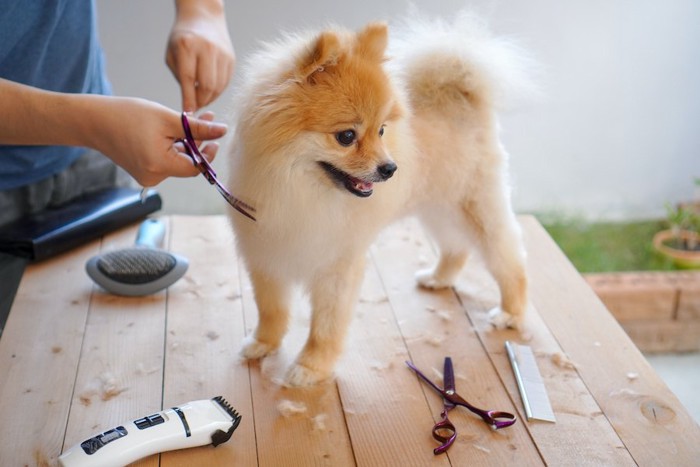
pixel 137 134
pixel 140 135
pixel 199 52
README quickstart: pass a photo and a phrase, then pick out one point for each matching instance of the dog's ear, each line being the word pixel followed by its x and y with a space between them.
pixel 325 51
pixel 372 41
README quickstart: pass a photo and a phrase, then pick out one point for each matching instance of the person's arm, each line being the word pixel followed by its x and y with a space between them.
pixel 137 134
pixel 199 52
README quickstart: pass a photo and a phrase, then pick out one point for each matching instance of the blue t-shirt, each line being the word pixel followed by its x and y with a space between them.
pixel 53 45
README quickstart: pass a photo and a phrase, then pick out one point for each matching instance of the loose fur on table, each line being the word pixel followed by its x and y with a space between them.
pixel 337 136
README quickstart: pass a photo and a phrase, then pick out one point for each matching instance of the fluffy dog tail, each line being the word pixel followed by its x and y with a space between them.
pixel 446 62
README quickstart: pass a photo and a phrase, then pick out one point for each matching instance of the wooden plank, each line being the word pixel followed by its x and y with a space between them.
pixel 434 325
pixel 636 296
pixel 660 311
pixel 121 364
pixel 689 300
pixel 582 434
pixel 649 294
pixel 646 415
pixel 204 332
pixel 664 336
pixel 39 353
pixel 381 398
pixel 316 436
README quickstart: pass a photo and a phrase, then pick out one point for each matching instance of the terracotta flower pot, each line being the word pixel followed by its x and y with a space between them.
pixel 687 259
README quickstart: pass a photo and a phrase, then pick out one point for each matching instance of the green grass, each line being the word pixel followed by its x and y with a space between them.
pixel 609 246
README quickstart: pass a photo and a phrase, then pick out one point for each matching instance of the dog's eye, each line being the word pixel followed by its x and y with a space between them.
pixel 381 131
pixel 346 137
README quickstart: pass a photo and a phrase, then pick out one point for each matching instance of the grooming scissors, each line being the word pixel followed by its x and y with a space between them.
pixel 444 431
pixel 203 165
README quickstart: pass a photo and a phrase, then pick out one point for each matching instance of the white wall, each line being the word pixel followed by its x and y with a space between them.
pixel 616 134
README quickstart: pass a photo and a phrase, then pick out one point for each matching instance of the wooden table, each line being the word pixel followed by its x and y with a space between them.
pixel 75 361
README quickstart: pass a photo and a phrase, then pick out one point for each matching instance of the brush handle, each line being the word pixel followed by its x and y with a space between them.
pixel 151 234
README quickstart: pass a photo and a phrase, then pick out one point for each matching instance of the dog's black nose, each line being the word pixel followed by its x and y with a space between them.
pixel 386 170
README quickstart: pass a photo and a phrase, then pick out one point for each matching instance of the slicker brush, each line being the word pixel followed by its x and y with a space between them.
pixel 143 269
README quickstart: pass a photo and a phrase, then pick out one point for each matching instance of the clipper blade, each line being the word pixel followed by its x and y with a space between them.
pixel 220 436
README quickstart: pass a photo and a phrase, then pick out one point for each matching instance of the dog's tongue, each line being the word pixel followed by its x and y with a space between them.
pixel 361 185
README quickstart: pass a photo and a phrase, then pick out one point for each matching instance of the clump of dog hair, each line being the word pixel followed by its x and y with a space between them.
pixel 289 408
pixel 562 361
pixel 319 422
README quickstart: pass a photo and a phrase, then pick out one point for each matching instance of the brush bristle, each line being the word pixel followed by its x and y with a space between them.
pixel 136 265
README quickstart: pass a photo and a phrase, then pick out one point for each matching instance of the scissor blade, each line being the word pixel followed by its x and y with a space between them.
pixel 237 204
pixel 448 376
pixel 244 212
pixel 425 378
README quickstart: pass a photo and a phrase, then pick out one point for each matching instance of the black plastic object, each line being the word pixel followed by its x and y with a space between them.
pixel 91 445
pixel 220 436
pixel 56 230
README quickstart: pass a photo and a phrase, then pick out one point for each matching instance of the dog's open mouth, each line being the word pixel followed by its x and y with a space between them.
pixel 354 185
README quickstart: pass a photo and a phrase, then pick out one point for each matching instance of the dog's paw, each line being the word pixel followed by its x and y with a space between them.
pixel 253 349
pixel 300 376
pixel 502 319
pixel 426 278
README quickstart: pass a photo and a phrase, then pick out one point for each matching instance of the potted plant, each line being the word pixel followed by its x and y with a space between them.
pixel 681 242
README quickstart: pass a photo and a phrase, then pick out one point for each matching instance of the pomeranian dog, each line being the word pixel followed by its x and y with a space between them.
pixel 336 137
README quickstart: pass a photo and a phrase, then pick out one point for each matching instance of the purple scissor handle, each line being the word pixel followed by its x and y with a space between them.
pixel 206 169
pixel 444 431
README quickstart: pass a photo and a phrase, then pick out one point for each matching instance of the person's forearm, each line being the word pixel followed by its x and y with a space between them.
pixel 31 116
pixel 187 9
pixel 138 134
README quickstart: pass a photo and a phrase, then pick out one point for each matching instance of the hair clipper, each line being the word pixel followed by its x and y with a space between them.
pixel 208 421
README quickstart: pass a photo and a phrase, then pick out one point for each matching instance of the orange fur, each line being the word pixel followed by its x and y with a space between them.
pixel 320 202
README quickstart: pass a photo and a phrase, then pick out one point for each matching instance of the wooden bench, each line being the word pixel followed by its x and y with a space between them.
pixel 75 361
